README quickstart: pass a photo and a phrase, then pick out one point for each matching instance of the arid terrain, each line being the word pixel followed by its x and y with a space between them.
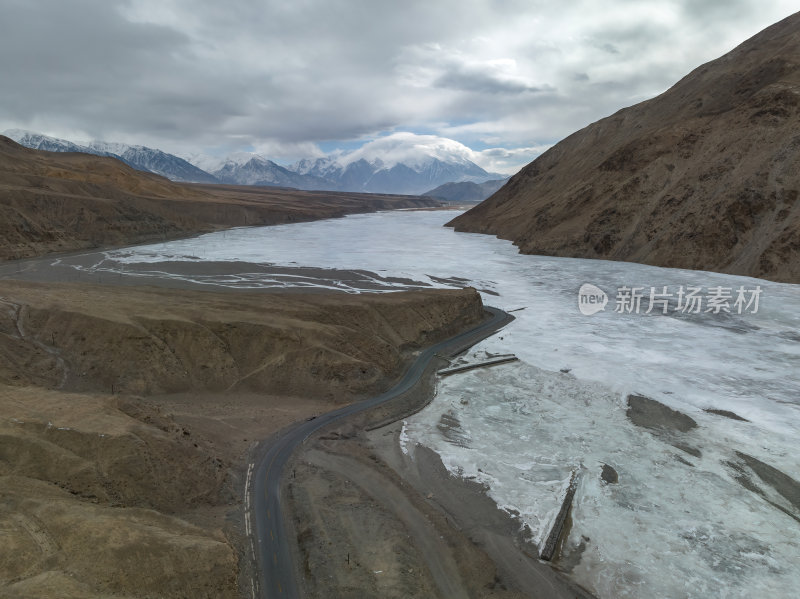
pixel 58 202
pixel 703 176
pixel 248 349
pixel 129 414
pixel 126 416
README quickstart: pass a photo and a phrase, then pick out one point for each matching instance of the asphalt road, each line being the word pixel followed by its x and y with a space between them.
pixel 276 574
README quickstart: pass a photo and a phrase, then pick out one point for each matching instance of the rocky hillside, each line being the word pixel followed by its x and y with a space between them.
pixel 704 176
pixel 69 201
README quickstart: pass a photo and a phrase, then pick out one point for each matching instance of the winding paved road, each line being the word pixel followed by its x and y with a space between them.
pixel 272 547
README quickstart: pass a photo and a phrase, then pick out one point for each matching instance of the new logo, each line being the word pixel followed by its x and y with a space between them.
pixel 591 299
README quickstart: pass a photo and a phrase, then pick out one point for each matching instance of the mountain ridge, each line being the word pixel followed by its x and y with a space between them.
pixel 377 177
pixel 260 171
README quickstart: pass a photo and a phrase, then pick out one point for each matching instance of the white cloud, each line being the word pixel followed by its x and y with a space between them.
pixel 413 149
pixel 507 161
pixel 410 149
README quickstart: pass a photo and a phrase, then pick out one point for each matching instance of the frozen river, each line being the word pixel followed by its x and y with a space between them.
pixel 680 521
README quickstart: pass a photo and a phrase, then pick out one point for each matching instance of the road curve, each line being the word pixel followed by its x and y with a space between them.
pixel 272 548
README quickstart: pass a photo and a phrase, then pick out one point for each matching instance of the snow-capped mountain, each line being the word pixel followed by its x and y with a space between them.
pixel 398 163
pixel 251 169
pixel 156 161
pixel 324 167
pixel 376 177
pixel 139 157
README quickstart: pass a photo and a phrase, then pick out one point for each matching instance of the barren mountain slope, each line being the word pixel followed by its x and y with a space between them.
pixel 704 176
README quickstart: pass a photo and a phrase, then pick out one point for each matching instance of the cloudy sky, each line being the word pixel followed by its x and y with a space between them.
pixel 301 78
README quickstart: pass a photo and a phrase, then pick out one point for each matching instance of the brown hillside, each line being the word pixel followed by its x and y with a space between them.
pixel 704 176
pixel 110 488
pixel 51 201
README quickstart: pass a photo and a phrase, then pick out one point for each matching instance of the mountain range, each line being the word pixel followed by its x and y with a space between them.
pixel 703 176
pixel 392 165
pixel 251 169
pixel 377 175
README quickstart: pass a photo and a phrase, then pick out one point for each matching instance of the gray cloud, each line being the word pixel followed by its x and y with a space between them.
pixel 483 83
pixel 491 77
pixel 189 76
